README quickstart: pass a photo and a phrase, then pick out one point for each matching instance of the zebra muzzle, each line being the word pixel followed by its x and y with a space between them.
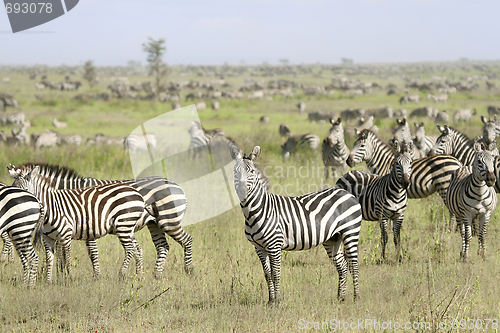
pixel 350 161
pixel 490 178
pixel 406 181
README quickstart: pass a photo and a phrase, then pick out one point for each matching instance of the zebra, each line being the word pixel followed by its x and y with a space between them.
pixel 304 141
pixel 456 144
pixel 423 142
pixel 20 214
pixel 215 105
pixel 426 111
pixel 166 195
pixel 464 115
pixel 402 133
pixel 493 110
pixel 472 199
pixel 284 130
pixel 13 118
pixel 58 124
pixel 46 139
pixel 334 151
pixel 442 117
pixel 85 214
pixel 429 174
pixel 301 106
pixel 102 139
pixel 274 223
pixel 489 135
pixel 384 198
pixel 352 114
pixel 198 138
pixel 438 98
pixel 409 98
pixel 138 142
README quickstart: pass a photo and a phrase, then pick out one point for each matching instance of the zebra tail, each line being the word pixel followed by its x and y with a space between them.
pixel 152 209
pixel 37 242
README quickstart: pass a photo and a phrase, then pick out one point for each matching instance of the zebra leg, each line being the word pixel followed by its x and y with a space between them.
pixel 94 257
pixel 29 259
pixel 21 251
pixel 383 235
pixel 49 254
pixel 465 231
pixel 160 242
pixel 264 259
pixel 139 265
pixel 174 230
pixel 127 241
pixel 483 228
pixel 398 221
pixel 275 262
pixel 326 171
pixel 334 251
pixel 7 251
pixel 66 245
pixel 351 252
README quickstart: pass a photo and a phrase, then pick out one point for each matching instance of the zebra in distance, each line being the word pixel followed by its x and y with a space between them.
pixel 464 115
pixel 84 214
pixel 301 106
pixel 334 151
pixel 438 98
pixel 46 139
pixel 295 142
pixel 472 199
pixel 424 143
pixel 139 142
pixel 455 143
pixel 409 98
pixel 429 174
pixel 273 223
pixel 20 214
pixel 383 198
pixel 284 130
pixel 489 135
pixel 166 195
pixel 402 133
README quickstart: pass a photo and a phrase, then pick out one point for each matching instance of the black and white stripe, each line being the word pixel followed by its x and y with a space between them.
pixel 489 135
pixel 471 198
pixel 334 151
pixel 136 142
pixel 273 223
pixel 383 198
pixel 20 212
pixel 166 195
pixel 424 143
pixel 453 142
pixel 83 214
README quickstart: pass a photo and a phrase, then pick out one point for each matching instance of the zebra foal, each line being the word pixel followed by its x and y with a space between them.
pixel 273 223
pixel 471 197
pixel 83 214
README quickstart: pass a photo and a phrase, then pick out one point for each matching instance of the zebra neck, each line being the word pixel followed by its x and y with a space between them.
pixel 463 151
pixel 479 185
pixel 381 159
pixel 254 204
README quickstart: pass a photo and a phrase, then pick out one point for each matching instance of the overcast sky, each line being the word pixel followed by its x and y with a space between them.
pixel 303 31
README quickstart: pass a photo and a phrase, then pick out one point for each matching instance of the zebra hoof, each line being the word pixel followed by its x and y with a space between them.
pixel 189 270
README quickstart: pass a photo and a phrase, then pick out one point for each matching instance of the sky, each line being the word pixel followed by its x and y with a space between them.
pixel 236 31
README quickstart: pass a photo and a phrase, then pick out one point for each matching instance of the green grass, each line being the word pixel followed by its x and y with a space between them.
pixel 228 290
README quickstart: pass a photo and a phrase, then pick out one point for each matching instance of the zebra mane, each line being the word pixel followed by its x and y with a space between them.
pixel 53 172
pixel 463 136
pixel 378 140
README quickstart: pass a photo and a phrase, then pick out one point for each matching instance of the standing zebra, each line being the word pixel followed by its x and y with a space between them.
pixel 273 223
pixel 383 198
pixel 20 214
pixel 464 115
pixel 165 194
pixel 429 174
pixel 489 135
pixel 424 143
pixel 334 151
pixel 472 198
pixel 294 142
pixel 402 133
pixel 86 214
pixel 456 144
pixel 198 138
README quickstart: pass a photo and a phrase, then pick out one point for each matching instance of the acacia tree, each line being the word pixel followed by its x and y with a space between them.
pixel 89 73
pixel 155 50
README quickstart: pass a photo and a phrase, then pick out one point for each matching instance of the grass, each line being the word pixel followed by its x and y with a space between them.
pixel 228 290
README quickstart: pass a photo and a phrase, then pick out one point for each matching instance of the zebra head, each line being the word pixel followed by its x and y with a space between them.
pixel 402 131
pixel 419 134
pixel 336 132
pixel 483 166
pixel 362 148
pixel 489 133
pixel 402 162
pixel 444 143
pixel 24 178
pixel 246 175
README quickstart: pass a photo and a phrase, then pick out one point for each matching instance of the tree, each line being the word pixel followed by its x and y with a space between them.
pixel 155 50
pixel 89 73
pixel 284 61
pixel 347 61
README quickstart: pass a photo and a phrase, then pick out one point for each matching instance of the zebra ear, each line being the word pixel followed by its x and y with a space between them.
pixel 235 152
pixel 339 120
pixel 415 124
pixel 440 128
pixel 13 172
pixel 446 130
pixel 357 131
pixel 255 153
pixel 478 147
pixel 483 119
pixel 422 124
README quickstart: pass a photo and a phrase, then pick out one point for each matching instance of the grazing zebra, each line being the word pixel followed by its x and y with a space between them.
pixel 334 151
pixel 438 98
pixel 84 214
pixel 284 130
pixel 305 141
pixel 102 139
pixel 273 223
pixel 493 110
pixel 409 98
pixel 165 194
pixel 453 142
pixel 426 111
pixel 423 142
pixel 20 214
pixel 384 198
pixel 429 174
pixel 13 118
pixel 472 199
pixel 352 114
pixel 464 115
pixel 139 142
pixel 70 139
